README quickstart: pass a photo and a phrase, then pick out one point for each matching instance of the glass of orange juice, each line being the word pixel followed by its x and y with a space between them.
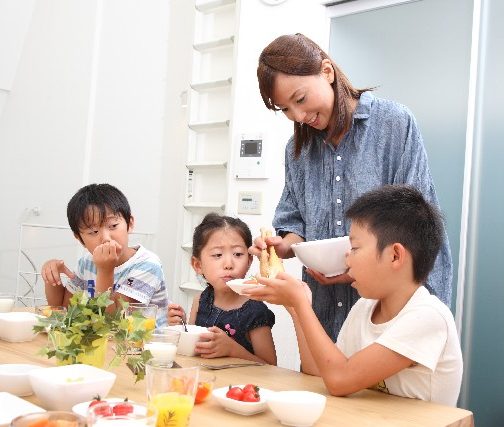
pixel 141 322
pixel 171 391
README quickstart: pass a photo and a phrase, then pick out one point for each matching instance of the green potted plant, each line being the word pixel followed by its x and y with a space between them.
pixel 82 333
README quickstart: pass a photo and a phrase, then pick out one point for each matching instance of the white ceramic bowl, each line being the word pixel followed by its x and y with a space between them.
pixel 325 256
pixel 239 407
pixel 61 387
pixel 238 285
pixel 17 326
pixel 297 408
pixel 188 339
pixel 14 378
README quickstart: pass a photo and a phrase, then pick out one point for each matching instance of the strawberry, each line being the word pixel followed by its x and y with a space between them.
pixel 104 409
pixel 122 408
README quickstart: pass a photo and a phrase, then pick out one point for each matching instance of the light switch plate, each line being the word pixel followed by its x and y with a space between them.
pixel 250 202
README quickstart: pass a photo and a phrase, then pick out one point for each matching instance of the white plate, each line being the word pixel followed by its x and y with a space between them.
pixel 13 406
pixel 238 285
pixel 239 407
pixel 81 408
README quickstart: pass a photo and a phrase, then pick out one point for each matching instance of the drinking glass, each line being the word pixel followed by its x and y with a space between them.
pixel 6 302
pixel 47 310
pixel 102 415
pixel 163 345
pixel 171 391
pixel 37 419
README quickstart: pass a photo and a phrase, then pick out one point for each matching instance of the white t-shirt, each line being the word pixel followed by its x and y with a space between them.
pixel 423 331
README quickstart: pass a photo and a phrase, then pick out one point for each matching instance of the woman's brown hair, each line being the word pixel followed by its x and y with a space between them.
pixel 297 55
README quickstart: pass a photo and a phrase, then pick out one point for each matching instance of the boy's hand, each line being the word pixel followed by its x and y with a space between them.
pixel 214 343
pixel 51 271
pixel 175 314
pixel 283 290
pixel 106 256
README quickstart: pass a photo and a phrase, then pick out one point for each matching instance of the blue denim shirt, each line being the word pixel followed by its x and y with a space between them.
pixel 383 146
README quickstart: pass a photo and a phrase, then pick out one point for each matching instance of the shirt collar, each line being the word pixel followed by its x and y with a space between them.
pixel 363 109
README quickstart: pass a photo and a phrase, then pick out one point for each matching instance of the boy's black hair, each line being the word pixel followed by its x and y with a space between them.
pixel 100 196
pixel 213 222
pixel 400 214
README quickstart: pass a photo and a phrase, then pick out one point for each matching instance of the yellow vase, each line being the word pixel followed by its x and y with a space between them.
pixel 94 357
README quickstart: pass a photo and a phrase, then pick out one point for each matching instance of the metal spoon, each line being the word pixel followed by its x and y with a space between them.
pixel 184 323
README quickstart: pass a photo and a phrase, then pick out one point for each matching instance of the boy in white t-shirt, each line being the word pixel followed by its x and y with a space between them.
pixel 397 338
pixel 100 217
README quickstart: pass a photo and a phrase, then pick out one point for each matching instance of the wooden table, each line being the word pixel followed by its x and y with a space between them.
pixel 365 408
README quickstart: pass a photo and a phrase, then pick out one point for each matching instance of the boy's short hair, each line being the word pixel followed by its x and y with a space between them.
pixel 100 196
pixel 400 214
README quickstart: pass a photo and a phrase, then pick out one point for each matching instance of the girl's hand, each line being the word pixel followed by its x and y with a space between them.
pixel 51 271
pixel 214 343
pixel 283 290
pixel 175 314
pixel 334 280
pixel 106 256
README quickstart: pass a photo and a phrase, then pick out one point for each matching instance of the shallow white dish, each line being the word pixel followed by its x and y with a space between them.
pixel 325 256
pixel 188 339
pixel 239 285
pixel 17 326
pixel 61 387
pixel 297 408
pixel 14 378
pixel 81 408
pixel 239 407
pixel 13 406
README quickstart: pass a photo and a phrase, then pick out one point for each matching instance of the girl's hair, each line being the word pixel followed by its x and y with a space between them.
pixel 213 222
pixel 297 55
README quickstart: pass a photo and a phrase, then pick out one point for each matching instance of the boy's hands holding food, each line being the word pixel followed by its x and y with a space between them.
pixel 215 343
pixel 51 271
pixel 106 256
pixel 175 314
pixel 283 290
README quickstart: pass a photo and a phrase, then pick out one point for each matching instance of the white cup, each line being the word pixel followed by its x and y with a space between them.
pixel 6 302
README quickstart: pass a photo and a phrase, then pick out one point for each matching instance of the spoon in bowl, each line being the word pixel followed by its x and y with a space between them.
pixel 184 323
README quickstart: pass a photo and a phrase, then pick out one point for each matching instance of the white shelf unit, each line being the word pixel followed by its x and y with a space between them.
pixel 209 123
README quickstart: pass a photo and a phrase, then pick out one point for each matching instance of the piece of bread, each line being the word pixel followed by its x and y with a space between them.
pixel 269 262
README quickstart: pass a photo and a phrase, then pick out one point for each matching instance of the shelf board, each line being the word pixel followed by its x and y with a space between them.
pixel 187 246
pixel 206 165
pixel 211 84
pixel 214 44
pixel 203 126
pixel 204 206
pixel 211 5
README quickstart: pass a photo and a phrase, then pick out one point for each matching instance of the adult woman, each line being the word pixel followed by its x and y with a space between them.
pixel 346 142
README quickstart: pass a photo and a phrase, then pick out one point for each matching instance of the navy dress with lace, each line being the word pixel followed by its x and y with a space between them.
pixel 237 322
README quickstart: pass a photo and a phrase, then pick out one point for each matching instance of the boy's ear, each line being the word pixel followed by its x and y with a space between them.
pixel 327 70
pixel 398 255
pixel 131 224
pixel 196 264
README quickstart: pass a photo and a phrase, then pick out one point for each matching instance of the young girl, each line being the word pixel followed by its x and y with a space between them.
pixel 237 326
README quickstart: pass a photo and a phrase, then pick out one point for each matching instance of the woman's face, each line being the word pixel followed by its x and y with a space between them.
pixel 306 99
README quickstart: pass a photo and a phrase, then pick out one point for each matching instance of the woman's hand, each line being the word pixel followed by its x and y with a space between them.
pixel 214 343
pixel 282 245
pixel 175 314
pixel 334 280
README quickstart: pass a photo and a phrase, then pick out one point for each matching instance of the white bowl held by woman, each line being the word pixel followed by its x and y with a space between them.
pixel 297 408
pixel 61 387
pixel 14 378
pixel 325 256
pixel 188 340
pixel 17 326
pixel 239 285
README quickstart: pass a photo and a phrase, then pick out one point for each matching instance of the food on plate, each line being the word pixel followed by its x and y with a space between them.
pixel 249 393
pixel 53 423
pixel 203 391
pixel 122 408
pixel 251 281
pixel 269 262
pixel 108 409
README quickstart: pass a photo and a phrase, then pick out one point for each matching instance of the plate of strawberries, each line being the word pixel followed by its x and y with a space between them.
pixel 116 406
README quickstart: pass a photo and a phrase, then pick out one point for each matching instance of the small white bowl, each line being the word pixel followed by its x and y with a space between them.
pixel 61 387
pixel 325 256
pixel 188 340
pixel 239 285
pixel 297 408
pixel 17 326
pixel 239 407
pixel 14 378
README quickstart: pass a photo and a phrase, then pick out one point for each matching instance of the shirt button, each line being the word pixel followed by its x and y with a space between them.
pixel 338 178
pixel 338 200
pixel 340 304
pixel 338 157
pixel 338 222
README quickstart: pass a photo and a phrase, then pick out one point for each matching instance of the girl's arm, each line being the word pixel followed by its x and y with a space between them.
pixel 262 342
pixel 194 310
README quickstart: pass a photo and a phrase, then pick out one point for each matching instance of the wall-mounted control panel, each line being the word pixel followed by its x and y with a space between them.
pixel 251 163
pixel 250 202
